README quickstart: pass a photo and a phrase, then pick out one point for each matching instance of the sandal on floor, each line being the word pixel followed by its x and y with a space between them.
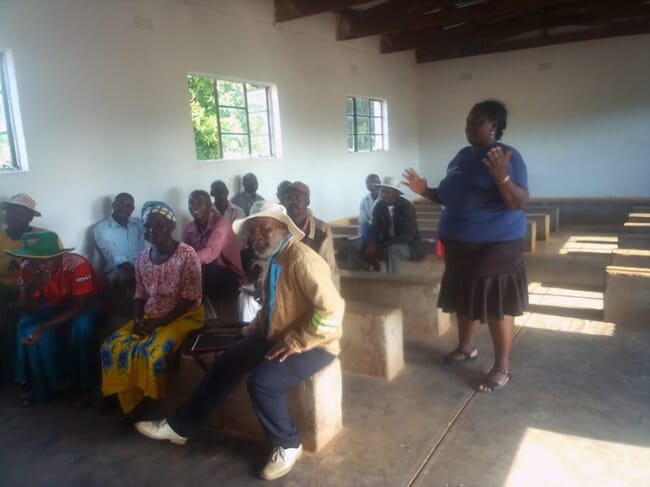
pixel 448 358
pixel 491 386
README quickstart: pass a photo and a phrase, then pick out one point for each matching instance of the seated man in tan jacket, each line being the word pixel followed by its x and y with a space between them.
pixel 294 335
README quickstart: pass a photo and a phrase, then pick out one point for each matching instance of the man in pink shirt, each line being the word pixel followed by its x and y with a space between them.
pixel 217 246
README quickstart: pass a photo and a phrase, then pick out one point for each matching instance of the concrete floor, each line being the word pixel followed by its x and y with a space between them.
pixel 577 411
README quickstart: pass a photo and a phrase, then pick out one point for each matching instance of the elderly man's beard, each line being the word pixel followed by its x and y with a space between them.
pixel 264 250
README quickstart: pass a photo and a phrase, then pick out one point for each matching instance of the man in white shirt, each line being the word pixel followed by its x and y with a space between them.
pixel 120 238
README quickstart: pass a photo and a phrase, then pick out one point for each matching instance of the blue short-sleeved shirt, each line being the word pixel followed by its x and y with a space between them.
pixel 473 208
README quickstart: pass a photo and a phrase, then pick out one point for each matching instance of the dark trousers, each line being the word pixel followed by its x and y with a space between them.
pixel 267 386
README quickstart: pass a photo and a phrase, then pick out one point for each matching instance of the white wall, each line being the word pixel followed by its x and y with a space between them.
pixel 581 119
pixel 105 105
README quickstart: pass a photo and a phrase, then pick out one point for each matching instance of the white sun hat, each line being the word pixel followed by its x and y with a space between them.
pixel 270 210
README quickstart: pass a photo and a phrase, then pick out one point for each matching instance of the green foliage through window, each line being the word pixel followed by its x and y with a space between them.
pixel 366 121
pixel 231 119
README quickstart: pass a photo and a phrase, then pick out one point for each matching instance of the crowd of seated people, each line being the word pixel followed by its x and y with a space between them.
pixel 53 304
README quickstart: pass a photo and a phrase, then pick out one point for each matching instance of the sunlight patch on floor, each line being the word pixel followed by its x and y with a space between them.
pixel 551 459
pixel 564 298
pixel 542 321
pixel 590 244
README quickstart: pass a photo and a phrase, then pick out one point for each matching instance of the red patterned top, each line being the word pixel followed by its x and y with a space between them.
pixel 162 286
pixel 75 277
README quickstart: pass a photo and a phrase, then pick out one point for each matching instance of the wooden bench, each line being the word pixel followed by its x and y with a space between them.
pixel 634 241
pixel 338 230
pixel 638 217
pixel 631 258
pixel 627 295
pixel 553 213
pixel 531 236
pixel 314 405
pixel 542 225
pixel 416 296
pixel 637 227
pixel 372 341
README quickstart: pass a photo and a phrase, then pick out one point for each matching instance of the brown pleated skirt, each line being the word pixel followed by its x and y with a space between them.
pixel 484 280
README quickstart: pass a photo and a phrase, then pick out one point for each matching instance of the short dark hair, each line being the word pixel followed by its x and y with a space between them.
pixel 495 110
pixel 124 195
pixel 200 193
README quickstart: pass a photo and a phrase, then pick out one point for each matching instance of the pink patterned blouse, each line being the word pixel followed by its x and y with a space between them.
pixel 163 286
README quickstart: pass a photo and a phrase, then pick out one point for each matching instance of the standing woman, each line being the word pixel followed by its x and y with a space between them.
pixel 167 306
pixel 482 227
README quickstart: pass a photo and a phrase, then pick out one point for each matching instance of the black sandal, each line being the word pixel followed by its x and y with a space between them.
pixel 491 386
pixel 448 358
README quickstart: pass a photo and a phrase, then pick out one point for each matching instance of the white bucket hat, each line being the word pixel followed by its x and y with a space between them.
pixel 24 200
pixel 270 210
pixel 391 183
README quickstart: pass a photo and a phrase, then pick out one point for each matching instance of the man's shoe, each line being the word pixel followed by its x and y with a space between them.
pixel 280 462
pixel 159 430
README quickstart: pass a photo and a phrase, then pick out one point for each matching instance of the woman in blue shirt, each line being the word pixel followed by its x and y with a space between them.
pixel 482 227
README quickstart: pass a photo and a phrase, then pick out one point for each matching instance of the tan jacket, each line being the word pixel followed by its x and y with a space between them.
pixel 308 309
pixel 318 236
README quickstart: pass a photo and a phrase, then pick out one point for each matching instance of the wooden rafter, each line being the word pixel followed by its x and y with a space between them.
pixel 429 54
pixel 295 9
pixel 393 17
pixel 599 12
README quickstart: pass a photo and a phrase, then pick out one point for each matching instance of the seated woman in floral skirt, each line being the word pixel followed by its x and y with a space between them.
pixel 167 307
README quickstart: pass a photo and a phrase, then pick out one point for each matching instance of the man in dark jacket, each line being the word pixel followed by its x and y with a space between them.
pixel 394 234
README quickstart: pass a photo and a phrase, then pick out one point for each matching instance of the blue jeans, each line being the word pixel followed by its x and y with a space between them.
pixel 267 386
pixel 64 355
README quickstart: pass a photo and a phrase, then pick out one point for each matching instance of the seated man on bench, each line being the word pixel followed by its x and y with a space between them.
pixel 295 335
pixel 394 234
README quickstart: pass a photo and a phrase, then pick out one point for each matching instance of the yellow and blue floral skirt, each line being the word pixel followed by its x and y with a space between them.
pixel 136 367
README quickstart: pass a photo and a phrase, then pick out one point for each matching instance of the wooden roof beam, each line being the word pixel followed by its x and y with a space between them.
pixel 389 18
pixel 603 11
pixel 295 9
pixel 459 50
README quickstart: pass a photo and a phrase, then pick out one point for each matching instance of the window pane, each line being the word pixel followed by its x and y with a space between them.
pixel 233 120
pixel 350 125
pixel 3 120
pixel 235 146
pixel 375 108
pixel 363 125
pixel 376 125
pixel 230 93
pixel 376 142
pixel 350 106
pixel 351 143
pixel 259 123
pixel 363 106
pixel 256 99
pixel 261 146
pixel 5 153
pixel 204 117
pixel 363 143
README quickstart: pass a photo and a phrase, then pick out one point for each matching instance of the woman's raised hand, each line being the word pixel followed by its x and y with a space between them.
pixel 415 183
pixel 497 163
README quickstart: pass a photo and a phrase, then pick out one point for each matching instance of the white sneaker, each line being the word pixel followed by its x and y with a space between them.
pixel 280 462
pixel 159 430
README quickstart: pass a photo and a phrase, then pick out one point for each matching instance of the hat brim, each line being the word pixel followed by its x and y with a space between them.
pixel 4 205
pixel 29 255
pixel 390 186
pixel 241 229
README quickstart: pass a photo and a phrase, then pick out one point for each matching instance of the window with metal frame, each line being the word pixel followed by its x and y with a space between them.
pixel 231 119
pixel 366 124
pixel 9 160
